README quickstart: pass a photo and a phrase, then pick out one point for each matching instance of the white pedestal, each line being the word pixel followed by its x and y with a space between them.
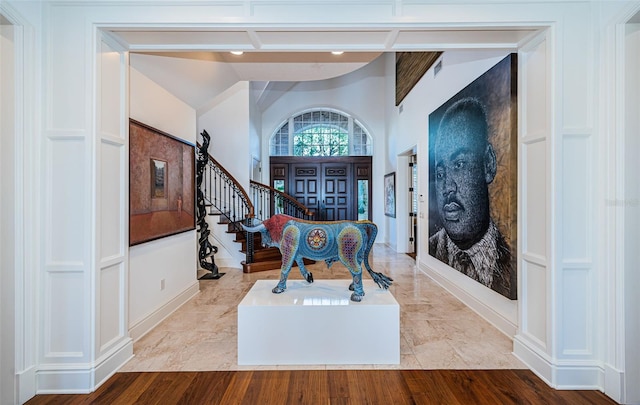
pixel 318 324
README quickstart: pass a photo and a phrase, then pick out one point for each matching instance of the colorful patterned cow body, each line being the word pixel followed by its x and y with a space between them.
pixel 349 242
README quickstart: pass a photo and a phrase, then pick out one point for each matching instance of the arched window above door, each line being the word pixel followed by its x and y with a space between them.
pixel 321 132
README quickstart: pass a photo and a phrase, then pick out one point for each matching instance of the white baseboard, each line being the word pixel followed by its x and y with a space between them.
pixel 26 381
pixel 614 383
pixel 537 361
pixel 560 374
pixel 487 312
pixel 142 327
pixel 82 378
pixel 110 362
pixel 228 262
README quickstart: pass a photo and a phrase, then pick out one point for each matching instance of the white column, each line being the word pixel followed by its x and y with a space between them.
pixel 533 340
pixel 83 328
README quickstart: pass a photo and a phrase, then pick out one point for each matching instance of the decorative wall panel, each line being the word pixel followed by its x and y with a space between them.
pixel 66 204
pixel 66 102
pixel 536 107
pixel 65 317
pixel 535 199
pixel 112 215
pixel 534 264
pixel 535 307
pixel 111 304
pixel 577 311
pixel 112 177
pixel 576 197
pixel 111 91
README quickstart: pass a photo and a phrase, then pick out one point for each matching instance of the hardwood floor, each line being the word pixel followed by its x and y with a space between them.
pixel 449 387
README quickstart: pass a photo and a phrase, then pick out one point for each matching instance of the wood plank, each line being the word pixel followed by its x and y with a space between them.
pixel 308 387
pixel 410 67
pixel 449 387
pixel 237 388
pixel 430 387
pixel 126 389
pixel 338 387
pixel 167 388
pixel 205 388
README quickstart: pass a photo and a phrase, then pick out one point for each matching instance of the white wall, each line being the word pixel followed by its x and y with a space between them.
pixel 255 133
pixel 227 120
pixel 361 94
pixel 388 155
pixel 171 260
pixel 155 106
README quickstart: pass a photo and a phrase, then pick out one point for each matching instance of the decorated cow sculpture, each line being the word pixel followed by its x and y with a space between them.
pixel 346 241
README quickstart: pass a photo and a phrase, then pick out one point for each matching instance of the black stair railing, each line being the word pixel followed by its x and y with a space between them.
pixel 268 201
pixel 226 197
pixel 206 250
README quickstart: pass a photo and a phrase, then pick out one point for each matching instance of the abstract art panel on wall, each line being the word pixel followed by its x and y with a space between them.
pixel 390 195
pixel 472 179
pixel 161 184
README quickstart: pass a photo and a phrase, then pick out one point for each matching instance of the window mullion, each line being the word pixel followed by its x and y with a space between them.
pixel 290 136
pixel 350 138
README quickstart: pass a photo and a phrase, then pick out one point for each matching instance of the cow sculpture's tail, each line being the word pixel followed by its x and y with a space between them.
pixel 370 232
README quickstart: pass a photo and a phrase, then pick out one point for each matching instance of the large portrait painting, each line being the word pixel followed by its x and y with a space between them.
pixel 161 184
pixel 472 179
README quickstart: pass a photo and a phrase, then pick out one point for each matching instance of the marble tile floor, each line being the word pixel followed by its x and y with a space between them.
pixel 436 330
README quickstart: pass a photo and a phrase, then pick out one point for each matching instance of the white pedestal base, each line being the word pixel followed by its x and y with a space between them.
pixel 318 324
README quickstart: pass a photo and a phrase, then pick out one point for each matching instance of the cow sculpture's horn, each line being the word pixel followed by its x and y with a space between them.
pixel 257 228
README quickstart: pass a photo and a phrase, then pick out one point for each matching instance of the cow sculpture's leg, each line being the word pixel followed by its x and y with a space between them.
pixel 349 244
pixel 288 249
pixel 303 270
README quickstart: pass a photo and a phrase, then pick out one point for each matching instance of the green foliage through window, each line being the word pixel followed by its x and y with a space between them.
pixel 321 140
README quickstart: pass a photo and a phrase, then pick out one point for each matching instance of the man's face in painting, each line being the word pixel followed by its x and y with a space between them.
pixel 464 166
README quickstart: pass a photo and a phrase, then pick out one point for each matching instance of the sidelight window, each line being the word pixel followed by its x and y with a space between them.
pixel 321 132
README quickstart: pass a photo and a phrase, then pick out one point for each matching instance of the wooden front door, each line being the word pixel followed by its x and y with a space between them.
pixel 337 201
pixel 327 186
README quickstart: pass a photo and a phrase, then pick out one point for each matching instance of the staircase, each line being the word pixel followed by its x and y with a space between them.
pixel 228 200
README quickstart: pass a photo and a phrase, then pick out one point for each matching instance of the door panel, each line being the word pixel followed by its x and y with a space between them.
pixel 306 190
pixel 337 199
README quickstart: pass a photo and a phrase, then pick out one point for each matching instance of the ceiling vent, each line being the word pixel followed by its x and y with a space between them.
pixel 437 68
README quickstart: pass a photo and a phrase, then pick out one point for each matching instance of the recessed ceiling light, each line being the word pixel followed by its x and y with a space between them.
pixel 237 52
pixel 337 52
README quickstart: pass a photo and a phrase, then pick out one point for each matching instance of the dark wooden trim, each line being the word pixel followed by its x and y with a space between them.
pixel 410 67
pixel 319 159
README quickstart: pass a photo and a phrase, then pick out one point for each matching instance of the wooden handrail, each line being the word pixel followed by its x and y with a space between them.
pixel 251 213
pixel 301 207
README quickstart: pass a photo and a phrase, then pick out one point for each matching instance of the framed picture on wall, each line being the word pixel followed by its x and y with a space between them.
pixel 390 194
pixel 161 184
pixel 473 179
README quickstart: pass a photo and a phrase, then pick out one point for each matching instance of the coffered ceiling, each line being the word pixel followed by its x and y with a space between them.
pixel 190 62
